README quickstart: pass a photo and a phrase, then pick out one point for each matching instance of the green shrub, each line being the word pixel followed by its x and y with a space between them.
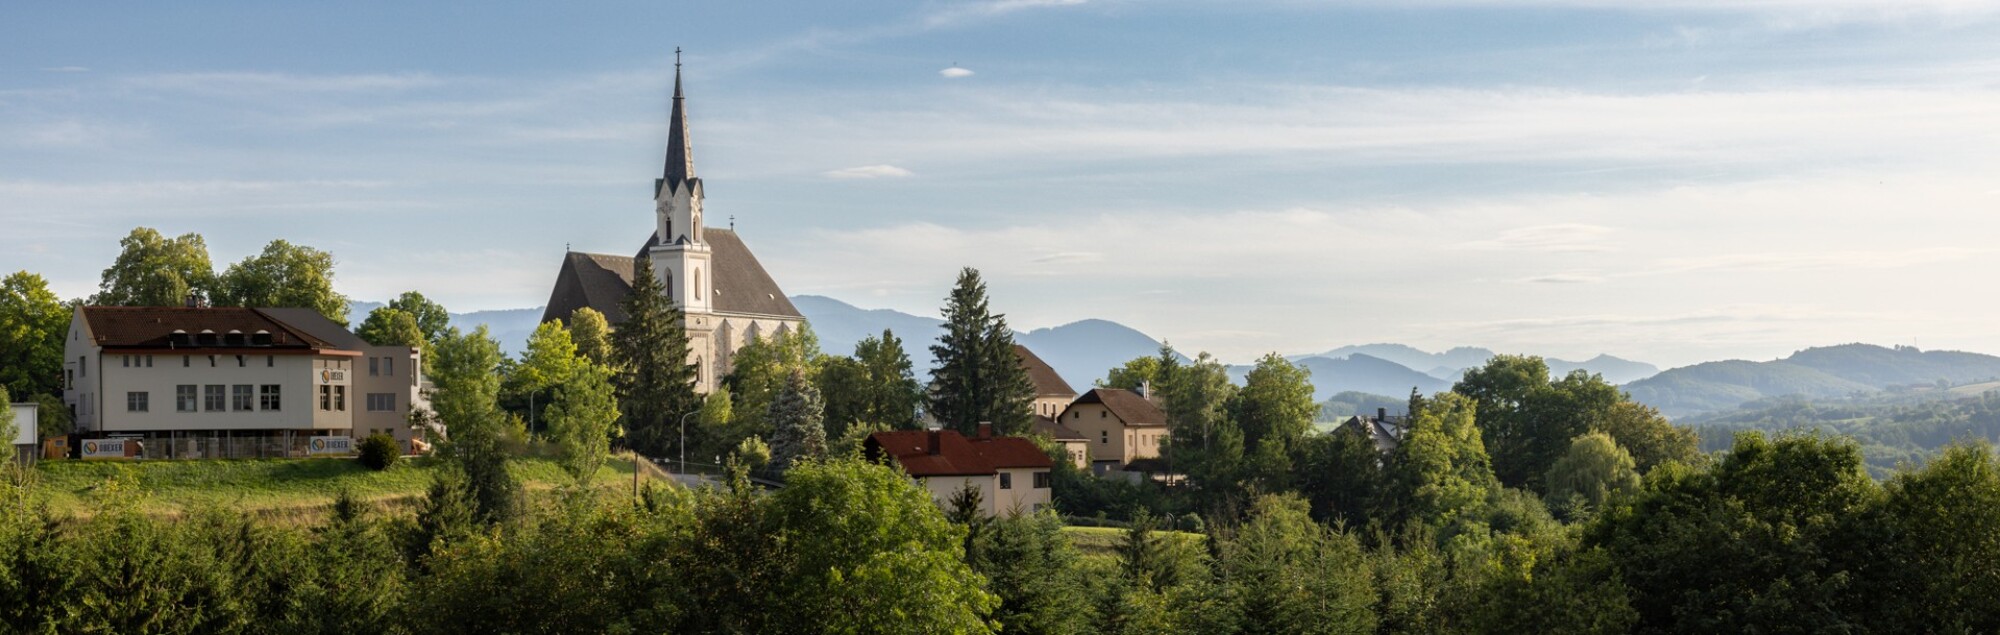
pixel 379 451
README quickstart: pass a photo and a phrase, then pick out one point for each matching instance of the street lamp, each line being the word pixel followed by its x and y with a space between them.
pixel 684 440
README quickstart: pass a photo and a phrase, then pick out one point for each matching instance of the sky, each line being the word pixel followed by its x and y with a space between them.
pixel 1671 181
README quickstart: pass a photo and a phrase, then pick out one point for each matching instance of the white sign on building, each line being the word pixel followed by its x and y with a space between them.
pixel 330 445
pixel 104 449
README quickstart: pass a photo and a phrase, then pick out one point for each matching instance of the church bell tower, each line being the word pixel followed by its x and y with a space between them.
pixel 680 254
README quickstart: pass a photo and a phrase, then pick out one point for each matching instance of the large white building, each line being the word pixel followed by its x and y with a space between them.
pixel 727 296
pixel 226 382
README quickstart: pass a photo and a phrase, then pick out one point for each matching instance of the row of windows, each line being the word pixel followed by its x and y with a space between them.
pixel 381 366
pixel 240 398
pixel 216 398
pixel 1041 480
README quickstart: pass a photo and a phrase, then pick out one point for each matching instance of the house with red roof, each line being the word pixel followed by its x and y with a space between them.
pixel 1011 473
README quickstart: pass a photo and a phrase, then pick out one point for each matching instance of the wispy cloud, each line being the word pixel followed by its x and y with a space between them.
pixel 955 72
pixel 1566 237
pixel 962 12
pixel 883 171
pixel 1564 278
pixel 1818 260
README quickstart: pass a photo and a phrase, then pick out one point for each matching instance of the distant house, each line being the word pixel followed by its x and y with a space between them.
pixel 1123 428
pixel 1383 430
pixel 1052 394
pixel 1073 443
pixel 1011 473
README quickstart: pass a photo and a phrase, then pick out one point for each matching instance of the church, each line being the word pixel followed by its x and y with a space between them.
pixel 708 272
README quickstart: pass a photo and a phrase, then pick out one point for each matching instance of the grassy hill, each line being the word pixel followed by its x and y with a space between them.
pixel 268 487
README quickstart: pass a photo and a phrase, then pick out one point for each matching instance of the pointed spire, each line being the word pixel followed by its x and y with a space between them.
pixel 680 152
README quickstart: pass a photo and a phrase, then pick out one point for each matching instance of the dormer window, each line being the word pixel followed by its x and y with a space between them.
pixel 234 338
pixel 178 338
pixel 206 338
pixel 260 338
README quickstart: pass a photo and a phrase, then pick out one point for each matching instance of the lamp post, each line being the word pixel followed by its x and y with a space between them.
pixel 684 440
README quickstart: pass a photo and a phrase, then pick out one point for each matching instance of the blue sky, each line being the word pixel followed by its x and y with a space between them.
pixel 1666 180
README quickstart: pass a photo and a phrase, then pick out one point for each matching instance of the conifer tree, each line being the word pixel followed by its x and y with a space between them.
pixel 655 381
pixel 800 432
pixel 978 378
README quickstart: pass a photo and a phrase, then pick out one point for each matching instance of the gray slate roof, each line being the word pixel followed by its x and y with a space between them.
pixel 739 285
pixel 316 325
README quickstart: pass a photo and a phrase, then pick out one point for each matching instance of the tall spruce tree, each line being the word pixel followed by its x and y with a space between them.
pixel 799 429
pixel 978 378
pixel 655 381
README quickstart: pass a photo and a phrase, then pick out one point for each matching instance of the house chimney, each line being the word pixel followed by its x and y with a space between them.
pixel 936 441
pixel 1146 388
pixel 193 300
pixel 985 430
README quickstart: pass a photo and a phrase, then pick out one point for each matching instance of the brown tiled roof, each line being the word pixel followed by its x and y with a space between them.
pixel 1126 405
pixel 956 455
pixel 739 283
pixel 154 326
pixel 1054 430
pixel 1047 382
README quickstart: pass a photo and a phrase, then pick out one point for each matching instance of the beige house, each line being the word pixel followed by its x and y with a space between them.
pixel 727 297
pixel 1011 473
pixel 1123 429
pixel 27 425
pixel 229 382
pixel 1052 394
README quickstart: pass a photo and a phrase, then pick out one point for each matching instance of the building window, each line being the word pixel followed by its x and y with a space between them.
pixel 325 397
pixel 213 399
pixel 1103 413
pixel 340 398
pixel 270 361
pixel 135 402
pixel 187 360
pixel 184 399
pixel 126 360
pixel 1103 436
pixel 1006 481
pixel 242 363
pixel 381 401
pixel 82 366
pixel 389 366
pixel 374 367
pixel 240 398
pixel 1041 480
pixel 149 361
pixel 268 397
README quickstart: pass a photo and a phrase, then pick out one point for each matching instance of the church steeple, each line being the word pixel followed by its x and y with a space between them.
pixel 680 152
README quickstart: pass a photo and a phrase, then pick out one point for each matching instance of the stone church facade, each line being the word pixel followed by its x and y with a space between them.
pixel 709 272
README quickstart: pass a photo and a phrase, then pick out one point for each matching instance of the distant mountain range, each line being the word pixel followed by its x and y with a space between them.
pixel 1082 352
pixel 1833 371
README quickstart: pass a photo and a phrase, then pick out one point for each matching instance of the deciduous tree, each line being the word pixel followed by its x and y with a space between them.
pixel 284 275
pixel 153 270
pixel 33 323
pixel 581 420
pixel 592 335
pixel 431 317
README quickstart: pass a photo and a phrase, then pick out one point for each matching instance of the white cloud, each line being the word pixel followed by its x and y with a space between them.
pixel 1564 278
pixel 955 72
pixel 883 171
pixel 1818 260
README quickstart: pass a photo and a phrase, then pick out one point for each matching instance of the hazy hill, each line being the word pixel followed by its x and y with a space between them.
pixel 1902 365
pixel 1451 365
pixel 1358 373
pixel 1079 351
pixel 1350 403
pixel 1819 373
